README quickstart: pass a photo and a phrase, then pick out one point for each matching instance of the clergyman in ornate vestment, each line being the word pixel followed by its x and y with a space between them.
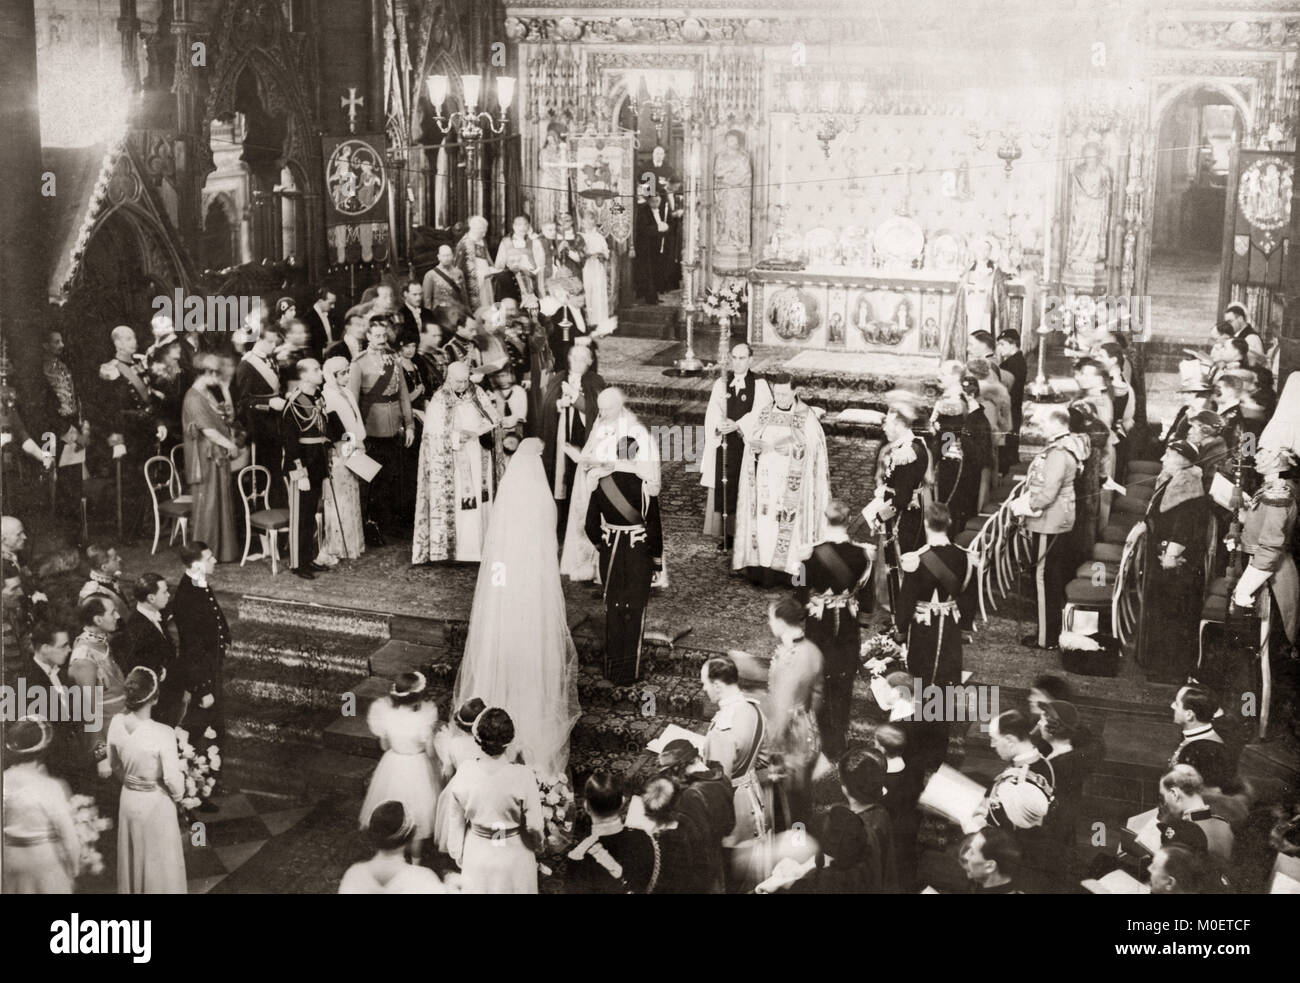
pixel 461 461
pixel 784 488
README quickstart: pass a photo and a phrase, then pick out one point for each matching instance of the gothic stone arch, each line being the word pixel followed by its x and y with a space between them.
pixel 253 36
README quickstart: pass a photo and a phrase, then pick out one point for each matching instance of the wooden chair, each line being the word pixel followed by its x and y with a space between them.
pixel 177 456
pixel 159 475
pixel 254 490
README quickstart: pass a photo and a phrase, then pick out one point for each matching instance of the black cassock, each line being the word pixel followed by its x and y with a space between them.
pixel 731 448
pixel 623 524
pixel 936 601
pixel 831 577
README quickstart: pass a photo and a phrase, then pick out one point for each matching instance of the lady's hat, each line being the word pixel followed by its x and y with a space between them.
pixel 1062 712
pixel 1208 421
pixel 1194 376
pixel 27 738
pixel 1185 450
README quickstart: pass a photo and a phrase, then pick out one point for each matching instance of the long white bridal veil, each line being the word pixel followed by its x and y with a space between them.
pixel 519 654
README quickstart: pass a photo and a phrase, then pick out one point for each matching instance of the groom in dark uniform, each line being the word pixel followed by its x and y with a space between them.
pixel 306 452
pixel 623 524
pixel 831 576
pixel 897 509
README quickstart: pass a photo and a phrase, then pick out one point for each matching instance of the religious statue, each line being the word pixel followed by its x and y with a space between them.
pixel 733 178
pixel 1090 188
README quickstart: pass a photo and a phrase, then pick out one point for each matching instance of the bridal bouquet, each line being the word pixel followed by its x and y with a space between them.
pixel 89 824
pixel 881 654
pixel 558 812
pixel 200 768
pixel 731 299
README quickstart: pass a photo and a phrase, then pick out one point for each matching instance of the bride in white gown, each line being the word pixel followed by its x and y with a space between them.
pixel 519 654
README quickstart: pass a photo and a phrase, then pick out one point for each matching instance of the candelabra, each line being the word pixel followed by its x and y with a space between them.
pixel 471 122
pixel 832 116
pixel 1040 388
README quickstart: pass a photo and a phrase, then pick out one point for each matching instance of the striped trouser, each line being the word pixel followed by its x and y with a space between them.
pixel 1052 569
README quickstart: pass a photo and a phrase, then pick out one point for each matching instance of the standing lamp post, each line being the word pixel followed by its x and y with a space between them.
pixel 471 123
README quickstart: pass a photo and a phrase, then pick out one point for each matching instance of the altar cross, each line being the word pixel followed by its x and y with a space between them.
pixel 350 102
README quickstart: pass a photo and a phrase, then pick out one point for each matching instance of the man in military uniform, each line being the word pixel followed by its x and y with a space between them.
pixel 1047 510
pixel 259 405
pixel 306 455
pixel 622 522
pixel 1268 525
pixel 734 738
pixel 831 576
pixel 897 511
pixel 379 387
pixel 1021 794
pixel 131 409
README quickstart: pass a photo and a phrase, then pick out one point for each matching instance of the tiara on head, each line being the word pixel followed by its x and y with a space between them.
pixel 415 690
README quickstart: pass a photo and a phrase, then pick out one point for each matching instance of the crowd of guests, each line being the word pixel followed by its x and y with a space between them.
pixel 109 675
pixel 299 390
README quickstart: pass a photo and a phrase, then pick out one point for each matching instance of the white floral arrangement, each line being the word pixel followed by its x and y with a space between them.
pixel 89 824
pixel 731 299
pixel 880 654
pixel 559 809
pixel 200 768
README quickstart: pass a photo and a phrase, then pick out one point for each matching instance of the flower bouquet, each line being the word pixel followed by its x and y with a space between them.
pixel 559 809
pixel 881 654
pixel 730 300
pixel 200 768
pixel 89 824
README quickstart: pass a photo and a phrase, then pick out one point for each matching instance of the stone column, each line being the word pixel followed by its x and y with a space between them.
pixel 23 262
pixel 1289 339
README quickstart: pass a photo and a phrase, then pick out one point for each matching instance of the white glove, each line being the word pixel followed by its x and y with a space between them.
pixel 162 432
pixel 207 701
pixel 119 450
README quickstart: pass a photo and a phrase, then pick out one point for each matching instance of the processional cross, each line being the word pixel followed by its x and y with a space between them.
pixel 350 102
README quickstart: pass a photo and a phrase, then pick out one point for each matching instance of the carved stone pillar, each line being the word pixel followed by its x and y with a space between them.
pixel 1289 338
pixel 128 26
pixel 22 252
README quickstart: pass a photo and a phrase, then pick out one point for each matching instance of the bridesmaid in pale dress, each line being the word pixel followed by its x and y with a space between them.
pixel 388 871
pixel 142 753
pixel 455 745
pixel 404 722
pixel 494 821
pixel 42 851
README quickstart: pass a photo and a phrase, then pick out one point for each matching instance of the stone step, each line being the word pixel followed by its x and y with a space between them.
pixel 396 656
pixel 314 618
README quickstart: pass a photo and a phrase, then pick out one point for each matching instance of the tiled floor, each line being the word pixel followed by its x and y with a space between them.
pixel 247 821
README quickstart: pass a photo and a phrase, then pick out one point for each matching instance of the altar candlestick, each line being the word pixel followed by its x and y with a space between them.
pixel 1041 389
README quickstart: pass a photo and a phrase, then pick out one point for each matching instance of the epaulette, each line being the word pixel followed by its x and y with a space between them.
pixel 911 562
pixel 903 455
pixel 109 371
pixel 1278 494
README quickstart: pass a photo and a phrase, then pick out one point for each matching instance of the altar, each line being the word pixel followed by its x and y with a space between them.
pixel 907 312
